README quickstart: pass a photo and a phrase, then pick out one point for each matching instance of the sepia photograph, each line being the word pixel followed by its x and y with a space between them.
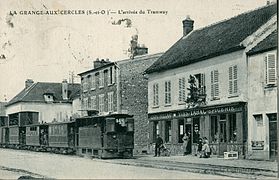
pixel 139 89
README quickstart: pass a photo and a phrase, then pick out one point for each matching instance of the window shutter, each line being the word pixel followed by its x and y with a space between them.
pixel 230 80
pixel 212 84
pixel 202 84
pixel 235 86
pixel 271 69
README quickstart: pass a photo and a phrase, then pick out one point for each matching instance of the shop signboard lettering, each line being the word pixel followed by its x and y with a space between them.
pixel 257 145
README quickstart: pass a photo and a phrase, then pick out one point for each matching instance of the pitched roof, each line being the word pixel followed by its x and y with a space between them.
pixel 35 93
pixel 270 42
pixel 213 40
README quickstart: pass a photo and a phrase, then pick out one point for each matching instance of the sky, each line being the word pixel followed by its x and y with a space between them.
pixel 46 48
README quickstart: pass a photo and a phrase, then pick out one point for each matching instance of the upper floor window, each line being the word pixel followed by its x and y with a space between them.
pixel 110 102
pixel 93 82
pixel 270 61
pixel 168 92
pixel 85 103
pixel 181 90
pixel 200 83
pixel 111 76
pixel 156 94
pixel 101 79
pixel 93 102
pixel 214 84
pixel 233 87
pixel 101 103
pixel 85 84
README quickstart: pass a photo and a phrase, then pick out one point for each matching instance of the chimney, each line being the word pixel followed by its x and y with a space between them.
pixel 64 89
pixel 101 63
pixel 188 25
pixel 28 83
pixel 141 50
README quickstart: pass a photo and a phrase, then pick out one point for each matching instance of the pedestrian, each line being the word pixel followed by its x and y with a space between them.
pixel 158 145
pixel 205 148
pixel 185 144
pixel 199 149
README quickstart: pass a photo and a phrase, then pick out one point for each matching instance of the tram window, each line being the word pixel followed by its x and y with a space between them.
pixel 110 125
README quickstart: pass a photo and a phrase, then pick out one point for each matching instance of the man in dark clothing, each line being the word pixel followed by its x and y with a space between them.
pixel 158 145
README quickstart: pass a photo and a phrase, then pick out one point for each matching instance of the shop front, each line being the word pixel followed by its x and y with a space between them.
pixel 225 126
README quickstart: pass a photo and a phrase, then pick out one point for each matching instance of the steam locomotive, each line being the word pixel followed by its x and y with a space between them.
pixel 106 136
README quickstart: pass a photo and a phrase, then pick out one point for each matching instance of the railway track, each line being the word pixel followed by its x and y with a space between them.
pixel 229 171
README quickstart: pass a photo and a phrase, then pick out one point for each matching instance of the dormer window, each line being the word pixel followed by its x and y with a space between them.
pixel 48 97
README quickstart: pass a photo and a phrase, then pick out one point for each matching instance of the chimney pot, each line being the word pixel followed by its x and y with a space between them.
pixel 188 25
pixel 64 89
pixel 28 83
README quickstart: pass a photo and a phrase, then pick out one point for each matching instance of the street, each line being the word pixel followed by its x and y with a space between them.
pixel 15 163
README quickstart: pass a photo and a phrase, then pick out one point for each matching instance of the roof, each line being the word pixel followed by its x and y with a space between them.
pixel 214 40
pixel 269 43
pixel 35 93
pixel 96 69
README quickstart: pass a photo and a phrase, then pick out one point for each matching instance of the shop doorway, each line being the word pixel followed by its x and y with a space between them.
pixel 223 135
pixel 272 136
pixel 188 129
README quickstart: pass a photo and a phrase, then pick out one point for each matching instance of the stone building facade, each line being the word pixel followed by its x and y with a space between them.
pixel 120 87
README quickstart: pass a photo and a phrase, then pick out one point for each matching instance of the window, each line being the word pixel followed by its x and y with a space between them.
pixel 168 92
pixel 259 120
pixel 181 130
pixel 168 131
pixel 270 61
pixel 200 83
pixel 213 129
pixel 156 94
pixel 101 103
pixel 101 80
pixel 233 87
pixel 214 84
pixel 85 84
pixel 111 76
pixel 232 128
pixel 93 82
pixel 181 90
pixel 156 130
pixel 85 103
pixel 93 102
pixel 110 102
pixel 110 124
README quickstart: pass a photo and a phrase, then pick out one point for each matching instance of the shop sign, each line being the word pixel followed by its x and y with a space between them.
pixel 160 116
pixel 257 145
pixel 209 111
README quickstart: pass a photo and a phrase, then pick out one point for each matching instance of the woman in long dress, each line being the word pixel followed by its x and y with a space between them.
pixel 185 143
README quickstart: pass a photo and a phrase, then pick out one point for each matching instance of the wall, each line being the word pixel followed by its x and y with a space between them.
pixel 97 91
pixel 220 63
pixel 262 100
pixel 133 93
pixel 76 105
pixel 47 111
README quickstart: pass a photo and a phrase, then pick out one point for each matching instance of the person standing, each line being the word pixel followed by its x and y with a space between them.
pixel 185 144
pixel 158 145
pixel 205 148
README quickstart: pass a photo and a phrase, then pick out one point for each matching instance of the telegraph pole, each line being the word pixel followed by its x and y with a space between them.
pixel 277 69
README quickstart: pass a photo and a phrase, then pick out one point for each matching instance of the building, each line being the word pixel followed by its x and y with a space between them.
pixel 120 87
pixel 262 95
pixel 42 102
pixel 3 117
pixel 199 85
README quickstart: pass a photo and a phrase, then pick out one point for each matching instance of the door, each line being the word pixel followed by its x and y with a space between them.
pixel 272 136
pixel 188 130
pixel 22 135
pixel 222 135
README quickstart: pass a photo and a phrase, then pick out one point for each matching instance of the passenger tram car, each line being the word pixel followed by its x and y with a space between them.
pixel 106 136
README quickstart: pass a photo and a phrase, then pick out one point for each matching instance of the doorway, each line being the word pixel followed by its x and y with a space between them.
pixel 272 136
pixel 223 134
pixel 188 130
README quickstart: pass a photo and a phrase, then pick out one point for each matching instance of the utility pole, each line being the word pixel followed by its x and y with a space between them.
pixel 277 69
